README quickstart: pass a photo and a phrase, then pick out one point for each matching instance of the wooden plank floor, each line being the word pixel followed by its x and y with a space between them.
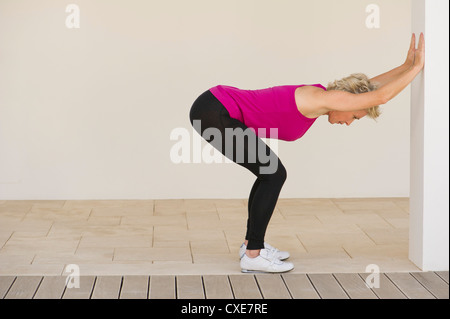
pixel 416 285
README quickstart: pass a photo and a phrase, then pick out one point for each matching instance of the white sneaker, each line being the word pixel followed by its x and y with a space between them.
pixel 264 263
pixel 281 255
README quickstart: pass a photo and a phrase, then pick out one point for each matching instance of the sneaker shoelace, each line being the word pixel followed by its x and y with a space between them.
pixel 271 256
pixel 273 251
pixel 275 261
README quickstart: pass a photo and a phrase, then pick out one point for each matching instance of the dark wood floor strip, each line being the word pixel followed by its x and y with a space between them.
pixel 417 285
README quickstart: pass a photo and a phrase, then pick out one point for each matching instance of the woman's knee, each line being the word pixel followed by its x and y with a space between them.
pixel 281 172
pixel 278 174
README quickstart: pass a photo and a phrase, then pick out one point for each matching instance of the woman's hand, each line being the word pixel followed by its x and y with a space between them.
pixel 419 53
pixel 411 52
pixel 416 57
pixel 394 81
pixel 413 55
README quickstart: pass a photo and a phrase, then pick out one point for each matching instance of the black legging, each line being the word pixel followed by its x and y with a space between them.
pixel 266 189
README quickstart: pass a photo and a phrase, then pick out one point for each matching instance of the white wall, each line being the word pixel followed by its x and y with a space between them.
pixel 87 113
pixel 429 206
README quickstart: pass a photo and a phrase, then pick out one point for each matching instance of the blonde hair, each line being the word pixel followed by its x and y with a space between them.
pixel 357 83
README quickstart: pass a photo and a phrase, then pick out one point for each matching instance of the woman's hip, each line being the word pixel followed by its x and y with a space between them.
pixel 208 109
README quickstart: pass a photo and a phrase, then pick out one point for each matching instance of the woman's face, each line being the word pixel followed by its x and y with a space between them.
pixel 338 117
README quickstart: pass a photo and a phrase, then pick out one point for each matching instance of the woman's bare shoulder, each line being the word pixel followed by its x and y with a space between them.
pixel 306 100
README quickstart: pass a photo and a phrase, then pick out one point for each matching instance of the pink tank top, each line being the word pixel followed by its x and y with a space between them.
pixel 273 107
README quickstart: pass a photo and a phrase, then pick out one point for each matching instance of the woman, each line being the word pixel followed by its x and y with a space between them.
pixel 241 117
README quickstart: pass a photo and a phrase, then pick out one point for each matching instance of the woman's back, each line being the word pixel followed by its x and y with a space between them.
pixel 273 107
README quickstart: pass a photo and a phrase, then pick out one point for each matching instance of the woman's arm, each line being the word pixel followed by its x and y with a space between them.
pixel 401 81
pixel 345 101
pixel 391 75
pixel 382 79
